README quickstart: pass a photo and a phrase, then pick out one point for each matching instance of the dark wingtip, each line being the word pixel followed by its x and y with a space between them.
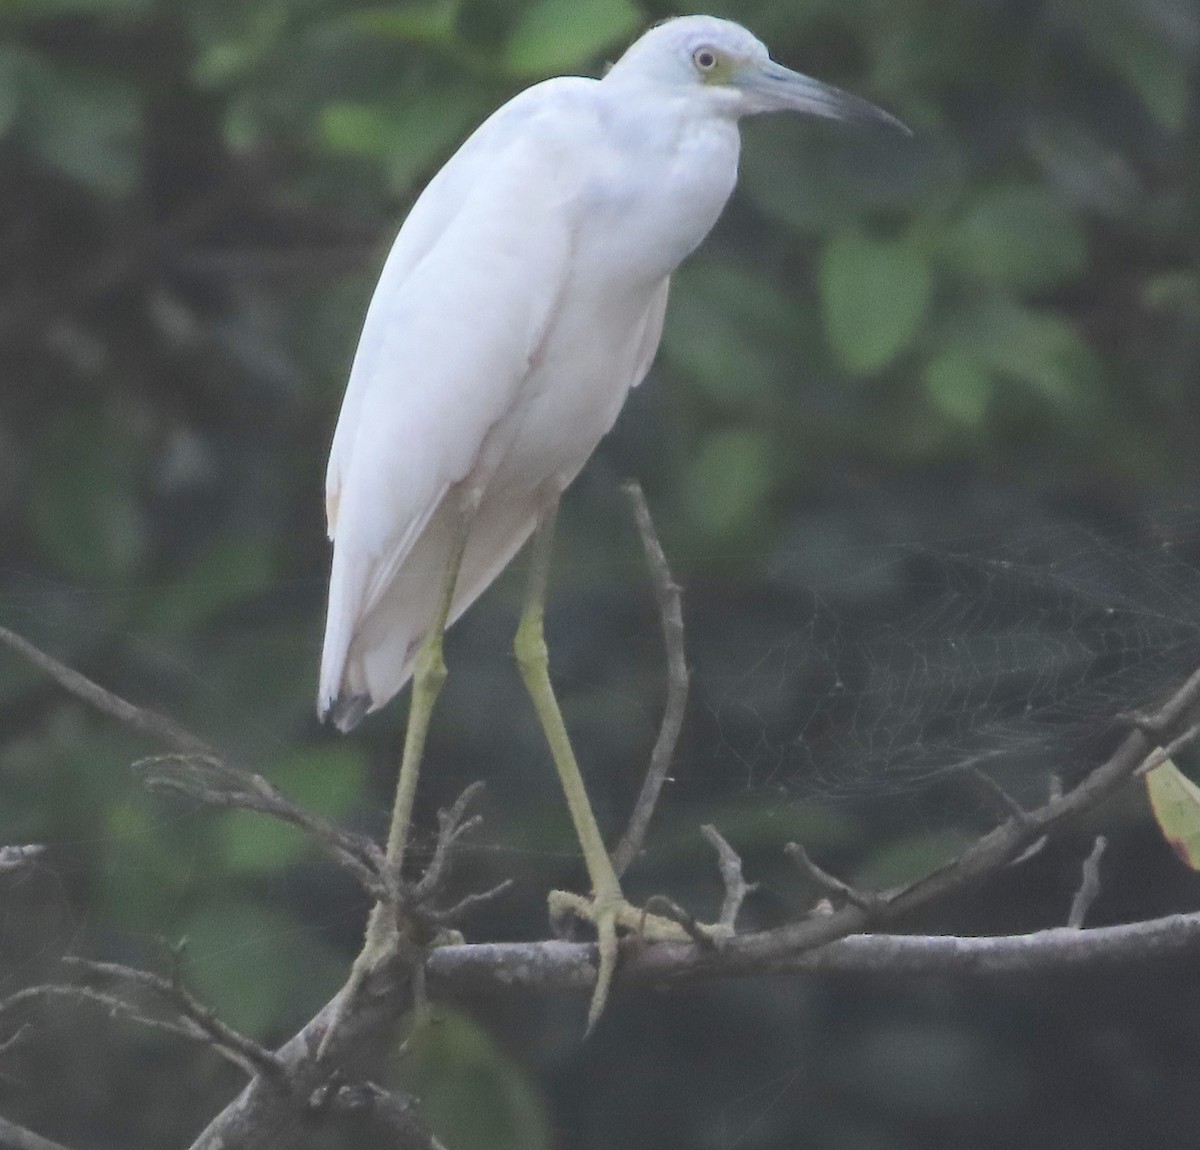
pixel 347 711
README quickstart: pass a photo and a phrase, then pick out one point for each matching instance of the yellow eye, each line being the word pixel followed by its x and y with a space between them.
pixel 705 59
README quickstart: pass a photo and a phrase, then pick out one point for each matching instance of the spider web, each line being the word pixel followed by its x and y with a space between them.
pixel 1014 657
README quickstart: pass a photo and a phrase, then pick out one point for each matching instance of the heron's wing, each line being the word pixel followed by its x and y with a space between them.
pixel 445 348
pixel 471 168
pixel 651 332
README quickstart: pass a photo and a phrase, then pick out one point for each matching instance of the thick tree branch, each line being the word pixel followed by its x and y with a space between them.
pixel 557 966
pixel 369 1109
pixel 670 609
pixel 272 1110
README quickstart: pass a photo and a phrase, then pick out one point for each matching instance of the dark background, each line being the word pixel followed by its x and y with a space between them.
pixel 920 443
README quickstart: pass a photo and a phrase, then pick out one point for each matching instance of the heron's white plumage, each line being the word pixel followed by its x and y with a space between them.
pixel 523 297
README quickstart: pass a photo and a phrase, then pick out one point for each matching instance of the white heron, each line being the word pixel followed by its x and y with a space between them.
pixel 523 298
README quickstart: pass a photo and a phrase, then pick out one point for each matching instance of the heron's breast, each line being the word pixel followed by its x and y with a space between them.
pixel 653 195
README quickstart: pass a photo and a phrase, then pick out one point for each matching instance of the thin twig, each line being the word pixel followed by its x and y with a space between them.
pixel 224 1039
pixel 736 887
pixel 1089 886
pixel 996 794
pixel 452 825
pixel 210 780
pixel 664 907
pixel 448 916
pixel 1170 750
pixel 139 719
pixel 670 609
pixel 824 881
pixel 14 1137
pixel 116 1007
pixel 1156 723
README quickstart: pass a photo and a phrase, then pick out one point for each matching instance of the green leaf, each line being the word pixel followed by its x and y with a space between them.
pixel 473 1094
pixel 1175 801
pixel 84 123
pixel 1154 63
pixel 83 509
pixel 728 482
pixel 1018 235
pixel 730 332
pixel 874 296
pixel 552 36
pixel 409 135
pixel 959 387
pixel 432 23
pixel 326 780
pixel 252 844
pixel 1038 348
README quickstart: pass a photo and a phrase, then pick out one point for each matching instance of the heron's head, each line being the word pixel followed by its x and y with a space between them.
pixel 733 72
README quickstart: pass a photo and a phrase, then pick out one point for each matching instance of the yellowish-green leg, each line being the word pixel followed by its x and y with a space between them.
pixel 429 675
pixel 607 909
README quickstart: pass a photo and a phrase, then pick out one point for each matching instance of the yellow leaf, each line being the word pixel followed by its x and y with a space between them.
pixel 1175 800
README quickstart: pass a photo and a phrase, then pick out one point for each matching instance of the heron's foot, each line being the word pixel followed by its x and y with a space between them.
pixel 612 916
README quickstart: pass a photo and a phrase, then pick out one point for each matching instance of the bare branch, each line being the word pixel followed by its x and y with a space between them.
pixel 736 887
pixel 1089 887
pixel 452 825
pixel 453 913
pixel 198 1019
pixel 996 794
pixel 1170 750
pixel 670 609
pixel 210 780
pixel 985 856
pixel 14 1137
pixel 265 1117
pixel 116 1007
pixel 824 881
pixel 139 719
pixel 557 965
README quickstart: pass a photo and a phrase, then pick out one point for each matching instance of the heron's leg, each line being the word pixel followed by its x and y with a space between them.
pixel 429 675
pixel 607 909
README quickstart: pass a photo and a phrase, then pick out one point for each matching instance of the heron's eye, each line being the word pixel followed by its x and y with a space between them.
pixel 705 59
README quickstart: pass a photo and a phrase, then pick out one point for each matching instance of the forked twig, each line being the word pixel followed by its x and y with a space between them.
pixel 736 887
pixel 827 883
pixel 670 608
pixel 212 781
pixel 196 1019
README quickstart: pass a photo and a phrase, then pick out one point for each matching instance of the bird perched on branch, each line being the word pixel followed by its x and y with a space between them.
pixel 523 298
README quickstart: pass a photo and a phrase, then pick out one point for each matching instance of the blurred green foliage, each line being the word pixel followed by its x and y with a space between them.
pixel 196 195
